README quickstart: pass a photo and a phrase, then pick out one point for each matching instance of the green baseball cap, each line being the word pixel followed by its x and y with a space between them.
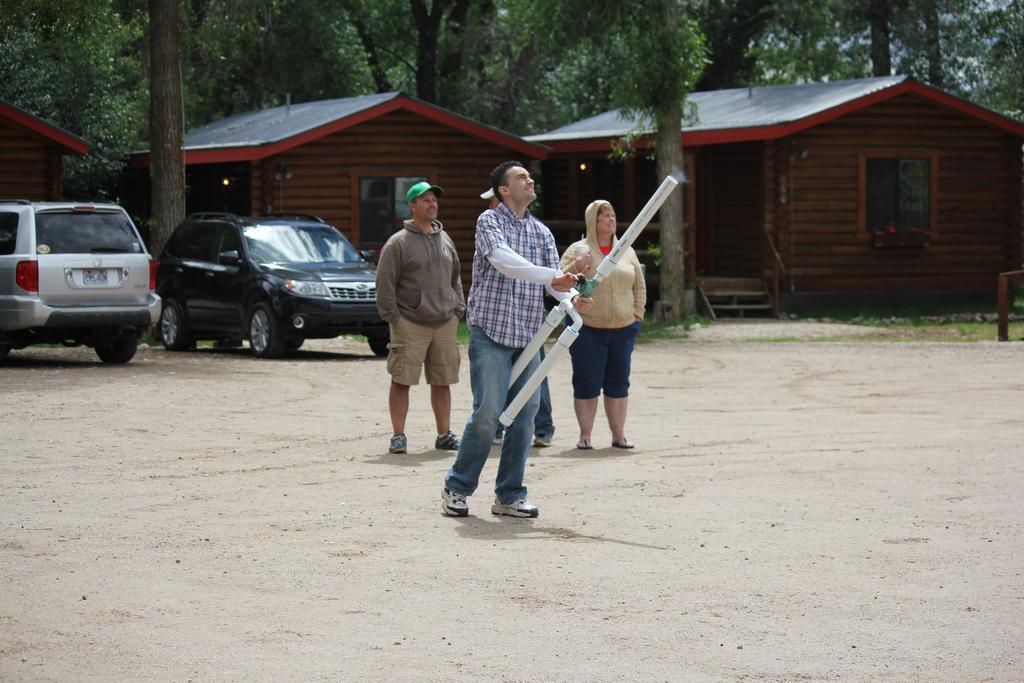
pixel 419 188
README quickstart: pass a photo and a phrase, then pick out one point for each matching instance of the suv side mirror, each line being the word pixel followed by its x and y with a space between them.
pixel 230 258
pixel 367 254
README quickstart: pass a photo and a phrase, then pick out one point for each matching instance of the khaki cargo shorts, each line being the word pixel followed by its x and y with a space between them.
pixel 415 346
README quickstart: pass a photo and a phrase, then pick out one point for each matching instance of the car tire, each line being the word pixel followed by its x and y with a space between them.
pixel 119 351
pixel 4 350
pixel 265 338
pixel 174 332
pixel 379 344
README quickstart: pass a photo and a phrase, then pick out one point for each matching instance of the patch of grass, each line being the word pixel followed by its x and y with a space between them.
pixel 655 331
pixel 910 332
pixel 881 312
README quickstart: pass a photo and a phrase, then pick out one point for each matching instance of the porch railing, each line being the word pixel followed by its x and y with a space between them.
pixel 1006 281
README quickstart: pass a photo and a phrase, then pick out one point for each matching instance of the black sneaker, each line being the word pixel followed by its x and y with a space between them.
pixel 454 503
pixel 447 442
pixel 398 444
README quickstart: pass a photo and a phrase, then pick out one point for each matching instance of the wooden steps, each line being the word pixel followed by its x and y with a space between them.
pixel 735 295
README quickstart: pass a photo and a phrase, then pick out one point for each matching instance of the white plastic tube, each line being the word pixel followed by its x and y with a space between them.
pixel 566 339
pixel 636 227
pixel 563 309
pixel 563 342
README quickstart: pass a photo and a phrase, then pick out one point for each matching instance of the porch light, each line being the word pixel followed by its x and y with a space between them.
pixel 583 166
pixel 225 181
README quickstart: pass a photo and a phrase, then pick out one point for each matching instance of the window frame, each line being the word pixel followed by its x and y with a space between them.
pixel 357 175
pixel 897 153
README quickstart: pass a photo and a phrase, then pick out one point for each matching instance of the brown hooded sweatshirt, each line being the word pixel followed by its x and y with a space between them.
pixel 418 277
pixel 620 298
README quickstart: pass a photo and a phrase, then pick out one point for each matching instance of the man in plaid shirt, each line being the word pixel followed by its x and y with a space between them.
pixel 514 263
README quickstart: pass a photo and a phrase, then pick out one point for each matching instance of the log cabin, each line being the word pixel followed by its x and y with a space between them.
pixel 32 155
pixel 877 185
pixel 349 161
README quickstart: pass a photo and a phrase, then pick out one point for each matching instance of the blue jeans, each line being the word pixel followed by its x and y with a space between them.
pixel 490 366
pixel 543 424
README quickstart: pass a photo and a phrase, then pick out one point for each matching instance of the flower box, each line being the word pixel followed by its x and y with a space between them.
pixel 891 237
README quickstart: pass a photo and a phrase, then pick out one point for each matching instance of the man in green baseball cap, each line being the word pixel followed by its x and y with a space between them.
pixel 419 294
pixel 421 187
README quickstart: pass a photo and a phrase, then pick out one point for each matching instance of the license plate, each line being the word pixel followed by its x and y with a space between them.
pixel 94 276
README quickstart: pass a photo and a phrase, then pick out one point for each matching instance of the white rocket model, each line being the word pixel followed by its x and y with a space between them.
pixel 566 339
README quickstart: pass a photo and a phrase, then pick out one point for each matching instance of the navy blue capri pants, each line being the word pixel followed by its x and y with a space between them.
pixel 601 360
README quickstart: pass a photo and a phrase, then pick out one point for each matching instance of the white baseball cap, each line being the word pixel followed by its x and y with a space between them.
pixel 488 194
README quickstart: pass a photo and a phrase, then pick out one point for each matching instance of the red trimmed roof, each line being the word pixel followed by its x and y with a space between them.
pixel 263 134
pixel 604 128
pixel 70 144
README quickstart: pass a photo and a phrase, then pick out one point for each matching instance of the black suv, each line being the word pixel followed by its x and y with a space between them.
pixel 273 280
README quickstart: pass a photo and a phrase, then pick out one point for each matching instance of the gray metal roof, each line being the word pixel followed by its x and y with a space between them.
pixel 268 126
pixel 736 108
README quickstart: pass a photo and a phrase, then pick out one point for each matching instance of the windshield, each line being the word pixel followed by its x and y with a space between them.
pixel 299 244
pixel 85 233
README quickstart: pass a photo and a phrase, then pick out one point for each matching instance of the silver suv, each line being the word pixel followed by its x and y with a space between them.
pixel 74 274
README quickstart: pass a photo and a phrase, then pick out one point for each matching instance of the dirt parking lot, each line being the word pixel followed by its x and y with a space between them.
pixel 793 511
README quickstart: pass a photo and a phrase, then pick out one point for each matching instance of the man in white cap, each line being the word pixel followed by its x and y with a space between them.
pixel 492 201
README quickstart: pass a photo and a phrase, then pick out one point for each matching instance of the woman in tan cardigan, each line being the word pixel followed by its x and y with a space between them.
pixel 601 355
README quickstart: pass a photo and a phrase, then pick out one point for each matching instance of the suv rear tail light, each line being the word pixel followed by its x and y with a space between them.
pixel 26 275
pixel 153 265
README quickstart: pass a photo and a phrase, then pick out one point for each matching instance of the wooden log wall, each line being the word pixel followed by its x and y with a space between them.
pixel 977 226
pixel 29 169
pixel 325 173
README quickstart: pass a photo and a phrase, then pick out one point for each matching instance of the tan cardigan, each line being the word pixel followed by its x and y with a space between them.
pixel 620 298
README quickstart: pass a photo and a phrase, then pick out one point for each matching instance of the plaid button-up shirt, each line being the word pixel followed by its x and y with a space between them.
pixel 508 310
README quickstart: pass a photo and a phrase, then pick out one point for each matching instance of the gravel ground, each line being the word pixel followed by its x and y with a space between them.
pixel 792 512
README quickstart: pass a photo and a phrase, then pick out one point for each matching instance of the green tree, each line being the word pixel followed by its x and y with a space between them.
pixel 1004 85
pixel 74 64
pixel 657 54
pixel 242 56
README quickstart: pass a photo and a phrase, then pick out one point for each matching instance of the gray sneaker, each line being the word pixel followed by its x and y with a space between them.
pixel 398 444
pixel 541 440
pixel 453 503
pixel 519 508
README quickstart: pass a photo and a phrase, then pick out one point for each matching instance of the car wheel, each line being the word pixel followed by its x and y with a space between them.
pixel 265 336
pixel 4 350
pixel 295 344
pixel 173 328
pixel 379 344
pixel 119 351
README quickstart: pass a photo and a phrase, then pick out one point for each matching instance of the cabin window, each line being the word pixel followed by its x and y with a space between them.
pixel 899 203
pixel 382 207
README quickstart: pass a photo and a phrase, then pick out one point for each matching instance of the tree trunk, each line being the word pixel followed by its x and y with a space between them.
pixel 879 17
pixel 428 24
pixel 167 164
pixel 668 148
